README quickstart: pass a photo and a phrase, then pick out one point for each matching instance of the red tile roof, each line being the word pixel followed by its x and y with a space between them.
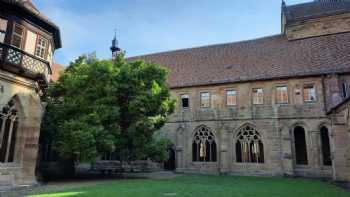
pixel 261 59
pixel 56 71
pixel 315 9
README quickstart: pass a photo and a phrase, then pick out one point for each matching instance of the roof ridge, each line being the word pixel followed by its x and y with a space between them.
pixel 206 46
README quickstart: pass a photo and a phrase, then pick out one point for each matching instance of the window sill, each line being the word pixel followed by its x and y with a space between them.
pixel 309 102
pixel 302 166
pixel 249 164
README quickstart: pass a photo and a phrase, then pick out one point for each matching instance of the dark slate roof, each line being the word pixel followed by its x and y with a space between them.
pixel 27 7
pixel 315 9
pixel 266 58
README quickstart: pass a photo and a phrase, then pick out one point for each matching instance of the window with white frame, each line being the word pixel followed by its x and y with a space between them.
pixel 231 97
pixel 282 94
pixel 3 29
pixel 309 93
pixel 41 47
pixel 205 99
pixel 258 96
pixel 17 36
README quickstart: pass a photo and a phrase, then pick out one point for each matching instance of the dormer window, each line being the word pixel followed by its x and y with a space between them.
pixel 41 47
pixel 3 28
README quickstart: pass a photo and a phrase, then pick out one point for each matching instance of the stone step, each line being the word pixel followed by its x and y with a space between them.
pixel 7 180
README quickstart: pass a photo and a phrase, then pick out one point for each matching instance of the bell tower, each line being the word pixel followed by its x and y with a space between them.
pixel 114 48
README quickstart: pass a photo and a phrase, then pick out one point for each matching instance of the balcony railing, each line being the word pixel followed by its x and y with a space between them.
pixel 20 62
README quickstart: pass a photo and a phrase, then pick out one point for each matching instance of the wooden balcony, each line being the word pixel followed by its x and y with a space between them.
pixel 24 64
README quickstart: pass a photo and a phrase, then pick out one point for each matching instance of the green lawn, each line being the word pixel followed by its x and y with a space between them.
pixel 208 186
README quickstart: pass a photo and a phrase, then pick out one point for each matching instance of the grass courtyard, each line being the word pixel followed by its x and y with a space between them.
pixel 205 186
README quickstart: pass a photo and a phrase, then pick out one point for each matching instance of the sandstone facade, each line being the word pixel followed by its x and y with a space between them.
pixel 275 122
pixel 303 136
pixel 27 44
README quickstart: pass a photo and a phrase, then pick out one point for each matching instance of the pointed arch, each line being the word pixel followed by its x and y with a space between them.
pixel 325 145
pixel 300 145
pixel 204 148
pixel 8 131
pixel 249 145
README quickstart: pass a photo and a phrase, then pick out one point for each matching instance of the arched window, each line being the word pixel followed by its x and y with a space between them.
pixel 326 148
pixel 249 146
pixel 204 145
pixel 300 146
pixel 8 132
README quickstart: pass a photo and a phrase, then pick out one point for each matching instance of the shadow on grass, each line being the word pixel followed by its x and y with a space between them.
pixel 61 194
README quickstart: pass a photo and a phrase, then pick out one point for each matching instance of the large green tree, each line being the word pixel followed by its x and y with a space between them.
pixel 100 106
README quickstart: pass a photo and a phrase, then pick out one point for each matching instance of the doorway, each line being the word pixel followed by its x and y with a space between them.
pixel 300 147
pixel 170 164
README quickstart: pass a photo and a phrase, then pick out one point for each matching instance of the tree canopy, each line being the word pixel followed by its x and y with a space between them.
pixel 100 106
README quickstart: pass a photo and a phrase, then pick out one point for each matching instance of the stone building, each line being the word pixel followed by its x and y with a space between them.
pixel 271 106
pixel 27 44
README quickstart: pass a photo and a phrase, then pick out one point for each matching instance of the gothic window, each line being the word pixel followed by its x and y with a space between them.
pixel 326 148
pixel 300 146
pixel 249 146
pixel 204 145
pixel 8 132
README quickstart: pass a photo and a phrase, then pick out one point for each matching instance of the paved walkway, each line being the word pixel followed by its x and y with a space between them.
pixel 56 186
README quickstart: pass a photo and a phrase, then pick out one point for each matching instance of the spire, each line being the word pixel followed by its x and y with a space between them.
pixel 114 48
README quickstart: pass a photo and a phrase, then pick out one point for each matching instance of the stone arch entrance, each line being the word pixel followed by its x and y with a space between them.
pixel 325 146
pixel 300 146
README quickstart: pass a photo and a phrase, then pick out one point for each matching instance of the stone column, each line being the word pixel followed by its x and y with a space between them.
pixel 224 166
pixel 179 159
pixel 315 157
pixel 340 155
pixel 179 150
pixel 287 157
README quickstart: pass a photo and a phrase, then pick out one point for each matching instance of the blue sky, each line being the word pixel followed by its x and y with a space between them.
pixel 149 26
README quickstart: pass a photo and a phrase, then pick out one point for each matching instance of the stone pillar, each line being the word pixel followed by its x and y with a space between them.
pixel 31 130
pixel 224 161
pixel 179 150
pixel 179 159
pixel 287 157
pixel 340 155
pixel 315 157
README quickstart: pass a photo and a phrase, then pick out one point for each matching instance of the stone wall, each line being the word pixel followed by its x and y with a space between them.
pixel 318 27
pixel 23 93
pixel 341 142
pixel 275 123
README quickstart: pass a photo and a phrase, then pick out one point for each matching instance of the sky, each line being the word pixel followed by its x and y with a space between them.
pixel 150 26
